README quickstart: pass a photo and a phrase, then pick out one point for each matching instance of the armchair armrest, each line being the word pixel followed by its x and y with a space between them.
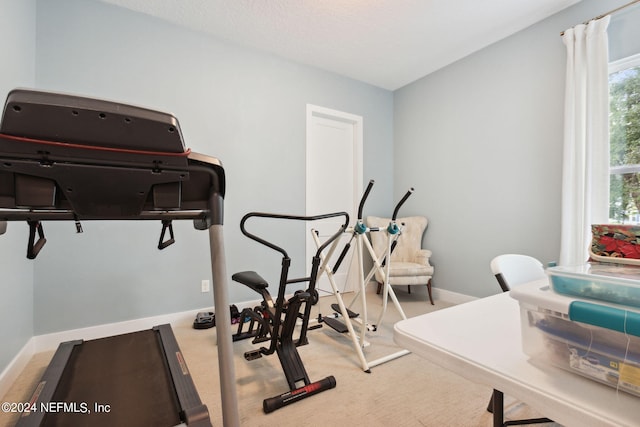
pixel 422 256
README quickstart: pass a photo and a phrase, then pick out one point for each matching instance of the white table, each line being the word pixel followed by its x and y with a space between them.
pixel 481 341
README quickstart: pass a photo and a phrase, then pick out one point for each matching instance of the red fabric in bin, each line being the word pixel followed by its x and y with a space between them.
pixel 616 240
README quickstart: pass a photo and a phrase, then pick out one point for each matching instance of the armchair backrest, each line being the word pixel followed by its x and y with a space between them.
pixel 409 242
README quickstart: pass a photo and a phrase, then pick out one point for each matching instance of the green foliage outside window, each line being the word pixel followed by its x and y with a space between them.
pixel 624 134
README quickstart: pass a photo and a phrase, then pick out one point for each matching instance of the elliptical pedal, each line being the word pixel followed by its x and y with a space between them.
pixel 336 308
pixel 252 355
pixel 335 324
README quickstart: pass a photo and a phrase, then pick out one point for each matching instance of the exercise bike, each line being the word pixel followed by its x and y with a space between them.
pixel 274 322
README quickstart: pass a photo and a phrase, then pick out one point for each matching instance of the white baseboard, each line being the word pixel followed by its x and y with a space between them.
pixel 51 341
pixel 452 297
pixel 16 366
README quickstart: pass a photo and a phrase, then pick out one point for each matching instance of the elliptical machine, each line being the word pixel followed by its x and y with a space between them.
pixel 274 321
pixel 343 318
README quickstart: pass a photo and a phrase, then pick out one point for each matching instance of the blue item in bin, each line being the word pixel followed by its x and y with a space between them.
pixel 582 338
pixel 613 318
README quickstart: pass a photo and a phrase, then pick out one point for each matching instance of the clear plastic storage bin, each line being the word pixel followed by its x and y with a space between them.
pixel 592 350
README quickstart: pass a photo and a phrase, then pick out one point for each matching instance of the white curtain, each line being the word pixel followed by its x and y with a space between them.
pixel 585 174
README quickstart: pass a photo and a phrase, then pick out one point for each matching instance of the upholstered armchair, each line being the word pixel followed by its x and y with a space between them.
pixel 409 262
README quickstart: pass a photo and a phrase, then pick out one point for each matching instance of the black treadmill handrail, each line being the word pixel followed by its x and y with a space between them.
pixel 195 163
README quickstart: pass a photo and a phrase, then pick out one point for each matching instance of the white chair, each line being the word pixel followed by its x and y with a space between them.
pixel 512 270
pixel 409 262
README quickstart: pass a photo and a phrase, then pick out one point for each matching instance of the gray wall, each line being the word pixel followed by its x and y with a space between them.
pixel 17 47
pixel 245 107
pixel 481 140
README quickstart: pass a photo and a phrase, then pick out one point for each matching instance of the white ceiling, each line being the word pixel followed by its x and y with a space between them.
pixel 386 43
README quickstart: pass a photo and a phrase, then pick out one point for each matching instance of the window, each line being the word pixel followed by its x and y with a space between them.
pixel 624 143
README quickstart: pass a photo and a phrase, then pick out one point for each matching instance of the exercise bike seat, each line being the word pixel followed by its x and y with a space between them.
pixel 251 279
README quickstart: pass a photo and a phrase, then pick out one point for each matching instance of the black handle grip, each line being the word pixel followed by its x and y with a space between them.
pixel 166 225
pixel 341 257
pixel 400 203
pixel 364 198
pixel 33 246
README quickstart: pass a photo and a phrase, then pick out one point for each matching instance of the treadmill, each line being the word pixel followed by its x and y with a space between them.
pixel 70 158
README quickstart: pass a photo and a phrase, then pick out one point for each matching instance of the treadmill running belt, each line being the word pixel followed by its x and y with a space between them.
pixel 96 373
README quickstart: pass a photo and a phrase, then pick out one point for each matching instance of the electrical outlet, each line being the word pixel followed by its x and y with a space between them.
pixel 205 286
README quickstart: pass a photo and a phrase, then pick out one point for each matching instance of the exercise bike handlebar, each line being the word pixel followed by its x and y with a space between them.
pixel 295 218
pixel 400 203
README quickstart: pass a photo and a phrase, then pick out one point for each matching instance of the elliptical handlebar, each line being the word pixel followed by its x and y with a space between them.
pixel 364 198
pixel 360 228
pixel 400 203
pixel 295 218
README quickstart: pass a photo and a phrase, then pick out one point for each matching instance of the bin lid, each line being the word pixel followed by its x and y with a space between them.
pixel 614 273
pixel 540 295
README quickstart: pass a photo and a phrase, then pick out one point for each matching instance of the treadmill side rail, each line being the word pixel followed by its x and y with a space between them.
pixel 194 412
pixel 48 383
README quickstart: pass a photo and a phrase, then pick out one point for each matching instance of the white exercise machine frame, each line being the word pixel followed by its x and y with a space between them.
pixel 381 264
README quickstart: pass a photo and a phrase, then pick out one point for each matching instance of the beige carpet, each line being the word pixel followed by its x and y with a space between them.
pixel 408 391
